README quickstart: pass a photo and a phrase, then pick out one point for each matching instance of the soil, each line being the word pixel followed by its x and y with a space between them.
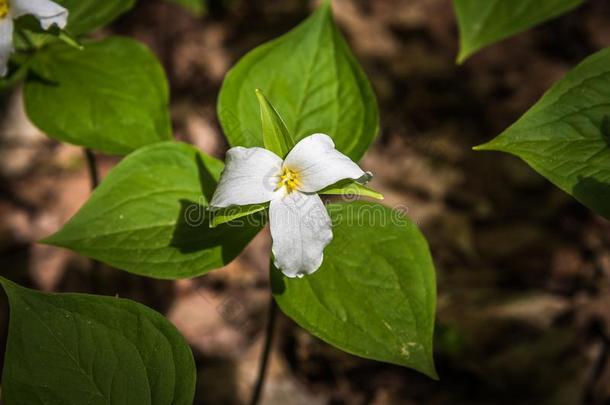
pixel 523 269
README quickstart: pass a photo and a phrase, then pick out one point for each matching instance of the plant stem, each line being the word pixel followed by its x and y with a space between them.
pixel 95 180
pixel 260 381
pixel 92 166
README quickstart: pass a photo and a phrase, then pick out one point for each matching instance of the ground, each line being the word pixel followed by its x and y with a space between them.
pixel 523 269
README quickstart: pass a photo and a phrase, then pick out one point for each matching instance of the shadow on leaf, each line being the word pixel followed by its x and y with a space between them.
pixel 278 283
pixel 206 179
pixel 594 193
pixel 192 232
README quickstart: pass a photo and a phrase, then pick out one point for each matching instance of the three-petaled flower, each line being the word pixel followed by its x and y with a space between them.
pixel 46 11
pixel 300 224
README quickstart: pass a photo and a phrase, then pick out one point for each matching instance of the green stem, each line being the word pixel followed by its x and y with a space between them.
pixel 92 166
pixel 95 181
pixel 262 371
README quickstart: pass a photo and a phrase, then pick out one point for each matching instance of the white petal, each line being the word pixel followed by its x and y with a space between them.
pixel 6 44
pixel 301 229
pixel 46 11
pixel 250 176
pixel 319 164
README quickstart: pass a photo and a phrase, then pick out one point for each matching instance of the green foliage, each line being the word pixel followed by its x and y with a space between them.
pixel 566 137
pixel 375 294
pixel 112 96
pixel 276 137
pixel 483 22
pixel 83 349
pixel 149 216
pixel 315 83
pixel 88 15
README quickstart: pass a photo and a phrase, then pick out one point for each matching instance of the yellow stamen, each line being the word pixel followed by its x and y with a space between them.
pixel 289 179
pixel 3 8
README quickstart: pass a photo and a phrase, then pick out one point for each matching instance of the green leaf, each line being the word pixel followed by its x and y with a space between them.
pixel 565 135
pixel 220 216
pixel 482 23
pixel 197 7
pixel 88 15
pixel 276 137
pixel 375 294
pixel 351 188
pixel 150 216
pixel 85 349
pixel 112 96
pixel 313 80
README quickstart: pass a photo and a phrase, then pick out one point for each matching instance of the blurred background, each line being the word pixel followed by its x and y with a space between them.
pixel 523 269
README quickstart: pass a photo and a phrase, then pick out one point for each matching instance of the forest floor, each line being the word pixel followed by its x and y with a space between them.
pixel 523 269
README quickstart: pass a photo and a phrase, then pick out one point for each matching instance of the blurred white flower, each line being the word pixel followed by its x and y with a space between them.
pixel 46 11
pixel 300 224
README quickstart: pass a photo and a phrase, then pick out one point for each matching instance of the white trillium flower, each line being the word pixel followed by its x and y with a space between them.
pixel 300 224
pixel 46 11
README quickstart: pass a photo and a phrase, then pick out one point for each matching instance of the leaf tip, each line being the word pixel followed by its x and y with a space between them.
pixel 49 240
pixel 376 195
pixel 484 147
pixel 262 99
pixel 433 374
pixel 461 57
pixel 428 368
pixel 55 239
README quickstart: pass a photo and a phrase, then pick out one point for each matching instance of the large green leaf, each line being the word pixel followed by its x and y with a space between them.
pixel 313 80
pixel 483 22
pixel 149 216
pixel 112 96
pixel 85 349
pixel 375 294
pixel 566 136
pixel 88 15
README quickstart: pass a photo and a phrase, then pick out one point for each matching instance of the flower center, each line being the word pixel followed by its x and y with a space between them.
pixel 289 179
pixel 3 8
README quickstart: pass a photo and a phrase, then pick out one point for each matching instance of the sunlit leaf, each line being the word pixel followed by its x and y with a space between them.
pixel 565 135
pixel 85 349
pixel 112 96
pixel 88 15
pixel 483 22
pixel 150 216
pixel 375 294
pixel 314 82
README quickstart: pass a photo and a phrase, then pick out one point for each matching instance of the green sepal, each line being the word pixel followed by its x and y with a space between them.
pixel 351 187
pixel 276 137
pixel 223 215
pixel 69 40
